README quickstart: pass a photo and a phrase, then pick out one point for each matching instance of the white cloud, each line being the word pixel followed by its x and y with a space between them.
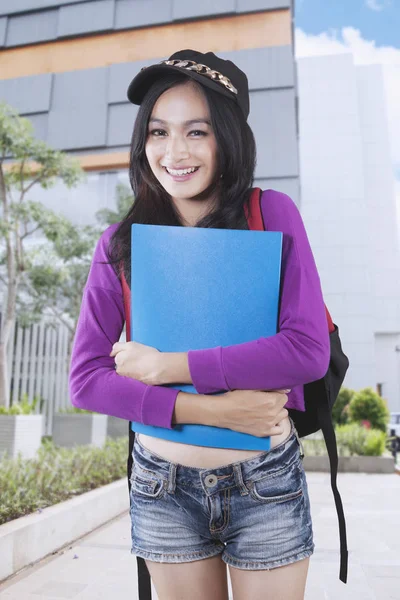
pixel 374 5
pixel 365 52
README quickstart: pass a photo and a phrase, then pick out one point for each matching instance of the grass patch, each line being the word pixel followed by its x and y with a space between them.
pixel 56 474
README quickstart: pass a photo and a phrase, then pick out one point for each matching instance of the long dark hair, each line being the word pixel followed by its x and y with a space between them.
pixel 236 158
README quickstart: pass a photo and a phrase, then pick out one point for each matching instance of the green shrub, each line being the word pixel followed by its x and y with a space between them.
pixel 72 410
pixel 56 474
pixel 340 408
pixel 375 444
pixel 369 406
pixel 352 439
pixel 23 407
pixel 314 447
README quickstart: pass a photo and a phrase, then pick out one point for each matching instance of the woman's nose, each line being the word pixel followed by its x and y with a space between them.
pixel 177 148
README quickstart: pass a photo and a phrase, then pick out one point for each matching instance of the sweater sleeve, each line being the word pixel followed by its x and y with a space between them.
pixel 300 352
pixel 93 382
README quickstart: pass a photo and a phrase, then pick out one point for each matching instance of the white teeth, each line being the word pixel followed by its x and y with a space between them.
pixel 181 171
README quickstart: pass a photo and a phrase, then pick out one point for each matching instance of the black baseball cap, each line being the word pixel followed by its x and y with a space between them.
pixel 219 74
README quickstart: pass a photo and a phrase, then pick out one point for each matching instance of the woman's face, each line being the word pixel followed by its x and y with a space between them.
pixel 179 137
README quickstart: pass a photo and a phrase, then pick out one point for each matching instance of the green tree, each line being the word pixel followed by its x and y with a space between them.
pixel 24 162
pixel 367 405
pixel 55 282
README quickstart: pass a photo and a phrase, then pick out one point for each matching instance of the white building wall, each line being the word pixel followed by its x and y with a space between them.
pixel 80 204
pixel 388 367
pixel 381 199
pixel 348 206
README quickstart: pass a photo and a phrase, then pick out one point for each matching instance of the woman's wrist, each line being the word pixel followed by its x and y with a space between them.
pixel 197 409
pixel 175 368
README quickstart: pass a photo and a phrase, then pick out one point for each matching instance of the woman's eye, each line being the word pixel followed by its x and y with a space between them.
pixel 199 131
pixel 155 132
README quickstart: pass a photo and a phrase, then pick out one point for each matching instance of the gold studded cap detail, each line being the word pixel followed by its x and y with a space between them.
pixel 201 70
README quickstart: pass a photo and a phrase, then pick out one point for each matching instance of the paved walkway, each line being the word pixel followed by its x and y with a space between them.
pixel 100 566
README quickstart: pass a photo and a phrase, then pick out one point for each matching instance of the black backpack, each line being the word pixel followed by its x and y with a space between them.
pixel 319 398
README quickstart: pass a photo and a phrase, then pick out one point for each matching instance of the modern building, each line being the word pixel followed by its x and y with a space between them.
pixel 66 65
pixel 348 205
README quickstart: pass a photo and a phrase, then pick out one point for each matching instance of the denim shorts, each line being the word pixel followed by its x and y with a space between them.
pixel 255 513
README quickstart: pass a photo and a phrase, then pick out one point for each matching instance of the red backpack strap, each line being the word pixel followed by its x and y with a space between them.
pixel 331 326
pixel 126 293
pixel 256 222
pixel 254 219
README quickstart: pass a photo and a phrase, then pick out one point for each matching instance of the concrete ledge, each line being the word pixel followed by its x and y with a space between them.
pixel 117 427
pixel 79 429
pixel 30 538
pixel 352 464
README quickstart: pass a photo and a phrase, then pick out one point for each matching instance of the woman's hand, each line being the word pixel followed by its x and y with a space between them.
pixel 256 412
pixel 138 361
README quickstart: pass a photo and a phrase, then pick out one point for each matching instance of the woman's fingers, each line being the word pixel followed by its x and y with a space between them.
pixel 117 347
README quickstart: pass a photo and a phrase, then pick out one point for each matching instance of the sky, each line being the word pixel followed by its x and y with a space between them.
pixel 370 30
pixel 378 20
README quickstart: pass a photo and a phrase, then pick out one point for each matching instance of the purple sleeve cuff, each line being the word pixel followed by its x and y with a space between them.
pixel 152 413
pixel 206 370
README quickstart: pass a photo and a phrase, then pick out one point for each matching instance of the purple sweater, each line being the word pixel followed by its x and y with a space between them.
pixel 299 353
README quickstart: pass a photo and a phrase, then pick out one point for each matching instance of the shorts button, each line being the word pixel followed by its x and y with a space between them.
pixel 211 480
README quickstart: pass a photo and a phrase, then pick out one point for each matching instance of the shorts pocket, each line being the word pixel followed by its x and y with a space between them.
pixel 282 487
pixel 147 487
pixel 147 483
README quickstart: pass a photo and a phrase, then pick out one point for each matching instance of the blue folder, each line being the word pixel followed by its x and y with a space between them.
pixel 195 288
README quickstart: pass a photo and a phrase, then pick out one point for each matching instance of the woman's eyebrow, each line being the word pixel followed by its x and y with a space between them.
pixel 190 122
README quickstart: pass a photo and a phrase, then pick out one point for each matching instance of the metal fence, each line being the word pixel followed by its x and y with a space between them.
pixel 38 366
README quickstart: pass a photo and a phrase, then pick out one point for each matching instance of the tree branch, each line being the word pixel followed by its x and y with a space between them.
pixel 62 319
pixel 29 232
pixel 55 312
pixel 21 178
pixel 28 187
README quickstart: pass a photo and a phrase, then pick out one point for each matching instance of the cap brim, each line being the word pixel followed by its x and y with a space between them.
pixel 141 83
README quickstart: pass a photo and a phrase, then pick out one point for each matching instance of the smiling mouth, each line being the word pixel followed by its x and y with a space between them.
pixel 171 173
pixel 182 176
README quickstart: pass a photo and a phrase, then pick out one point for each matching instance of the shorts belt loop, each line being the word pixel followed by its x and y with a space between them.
pixel 171 478
pixel 239 480
pixel 300 444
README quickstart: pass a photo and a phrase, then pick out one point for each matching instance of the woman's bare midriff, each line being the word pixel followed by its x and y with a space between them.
pixel 203 456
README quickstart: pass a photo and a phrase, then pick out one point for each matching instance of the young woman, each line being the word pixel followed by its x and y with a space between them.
pixel 195 508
